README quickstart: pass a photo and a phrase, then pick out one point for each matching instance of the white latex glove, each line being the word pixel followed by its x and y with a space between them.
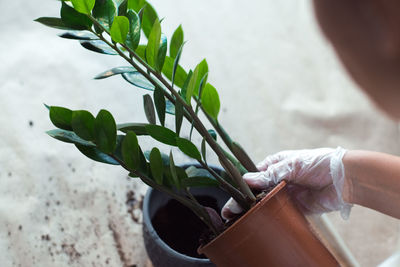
pixel 315 179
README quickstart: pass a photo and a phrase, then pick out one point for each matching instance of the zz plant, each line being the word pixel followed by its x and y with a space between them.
pixel 132 30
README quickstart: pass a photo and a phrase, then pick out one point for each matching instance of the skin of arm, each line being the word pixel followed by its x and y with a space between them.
pixel 373 181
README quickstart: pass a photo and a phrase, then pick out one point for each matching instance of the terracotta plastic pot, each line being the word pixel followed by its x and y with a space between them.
pixel 273 233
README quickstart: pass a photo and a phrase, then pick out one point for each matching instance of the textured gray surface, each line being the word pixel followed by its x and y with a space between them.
pixel 280 85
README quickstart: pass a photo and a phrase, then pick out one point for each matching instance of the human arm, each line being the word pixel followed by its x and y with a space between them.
pixel 326 179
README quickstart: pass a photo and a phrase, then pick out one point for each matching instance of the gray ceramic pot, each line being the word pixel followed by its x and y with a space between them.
pixel 159 252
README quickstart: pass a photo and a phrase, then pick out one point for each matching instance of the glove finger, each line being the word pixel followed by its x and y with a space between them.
pixel 231 209
pixel 257 180
pixel 272 159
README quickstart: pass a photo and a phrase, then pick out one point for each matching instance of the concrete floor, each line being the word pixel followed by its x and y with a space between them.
pixel 280 84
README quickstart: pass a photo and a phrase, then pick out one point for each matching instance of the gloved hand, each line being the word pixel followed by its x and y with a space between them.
pixel 315 179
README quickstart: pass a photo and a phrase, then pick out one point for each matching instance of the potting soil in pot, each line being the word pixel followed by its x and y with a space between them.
pixel 179 227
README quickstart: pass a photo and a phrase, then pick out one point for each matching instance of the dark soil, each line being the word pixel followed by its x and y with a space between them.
pixel 179 227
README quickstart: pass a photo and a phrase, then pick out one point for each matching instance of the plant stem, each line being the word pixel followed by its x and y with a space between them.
pixel 192 205
pixel 198 124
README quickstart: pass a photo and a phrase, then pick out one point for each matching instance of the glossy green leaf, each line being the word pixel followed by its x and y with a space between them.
pixel 164 157
pixel 168 70
pixel 79 35
pixel 73 19
pixel 137 128
pixel 176 42
pixel 159 101
pixel 96 155
pixel 174 174
pixel 68 137
pixel 204 150
pixel 56 23
pixel 98 46
pixel 185 86
pixel 122 8
pixel 104 11
pixel 192 84
pixel 130 151
pixel 178 117
pixel 213 134
pixel 119 29
pixel 200 182
pixel 156 165
pixel 188 148
pixel 136 4
pixel 203 70
pixel 162 52
pixel 61 117
pixel 161 134
pixel 193 171
pixel 141 51
pixel 132 41
pixel 83 124
pixel 105 132
pixel 149 109
pixel 114 71
pixel 137 79
pixel 148 18
pixel 153 44
pixel 210 101
pixel 177 69
pixel 83 6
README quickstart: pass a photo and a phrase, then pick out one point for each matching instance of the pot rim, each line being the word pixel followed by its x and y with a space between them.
pixel 256 207
pixel 146 218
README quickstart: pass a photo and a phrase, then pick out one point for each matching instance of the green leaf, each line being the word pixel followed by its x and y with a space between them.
pixel 176 42
pixel 204 150
pixel 210 101
pixel 133 38
pixel 136 4
pixel 178 116
pixel 105 132
pixel 213 134
pixel 149 109
pixel 137 128
pixel 104 11
pixel 73 19
pixel 96 155
pixel 156 165
pixel 79 35
pixel 186 85
pixel 180 74
pixel 178 70
pixel 203 70
pixel 153 44
pixel 164 157
pixel 137 79
pixel 161 134
pixel 200 182
pixel 119 29
pixel 174 174
pixel 141 51
pixel 114 71
pixel 83 124
pixel 130 151
pixel 188 148
pixel 61 117
pixel 56 23
pixel 98 46
pixel 192 86
pixel 148 18
pixel 68 137
pixel 123 8
pixel 162 52
pixel 83 6
pixel 159 101
pixel 192 171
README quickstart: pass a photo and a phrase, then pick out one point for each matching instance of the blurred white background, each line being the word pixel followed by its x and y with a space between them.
pixel 280 84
